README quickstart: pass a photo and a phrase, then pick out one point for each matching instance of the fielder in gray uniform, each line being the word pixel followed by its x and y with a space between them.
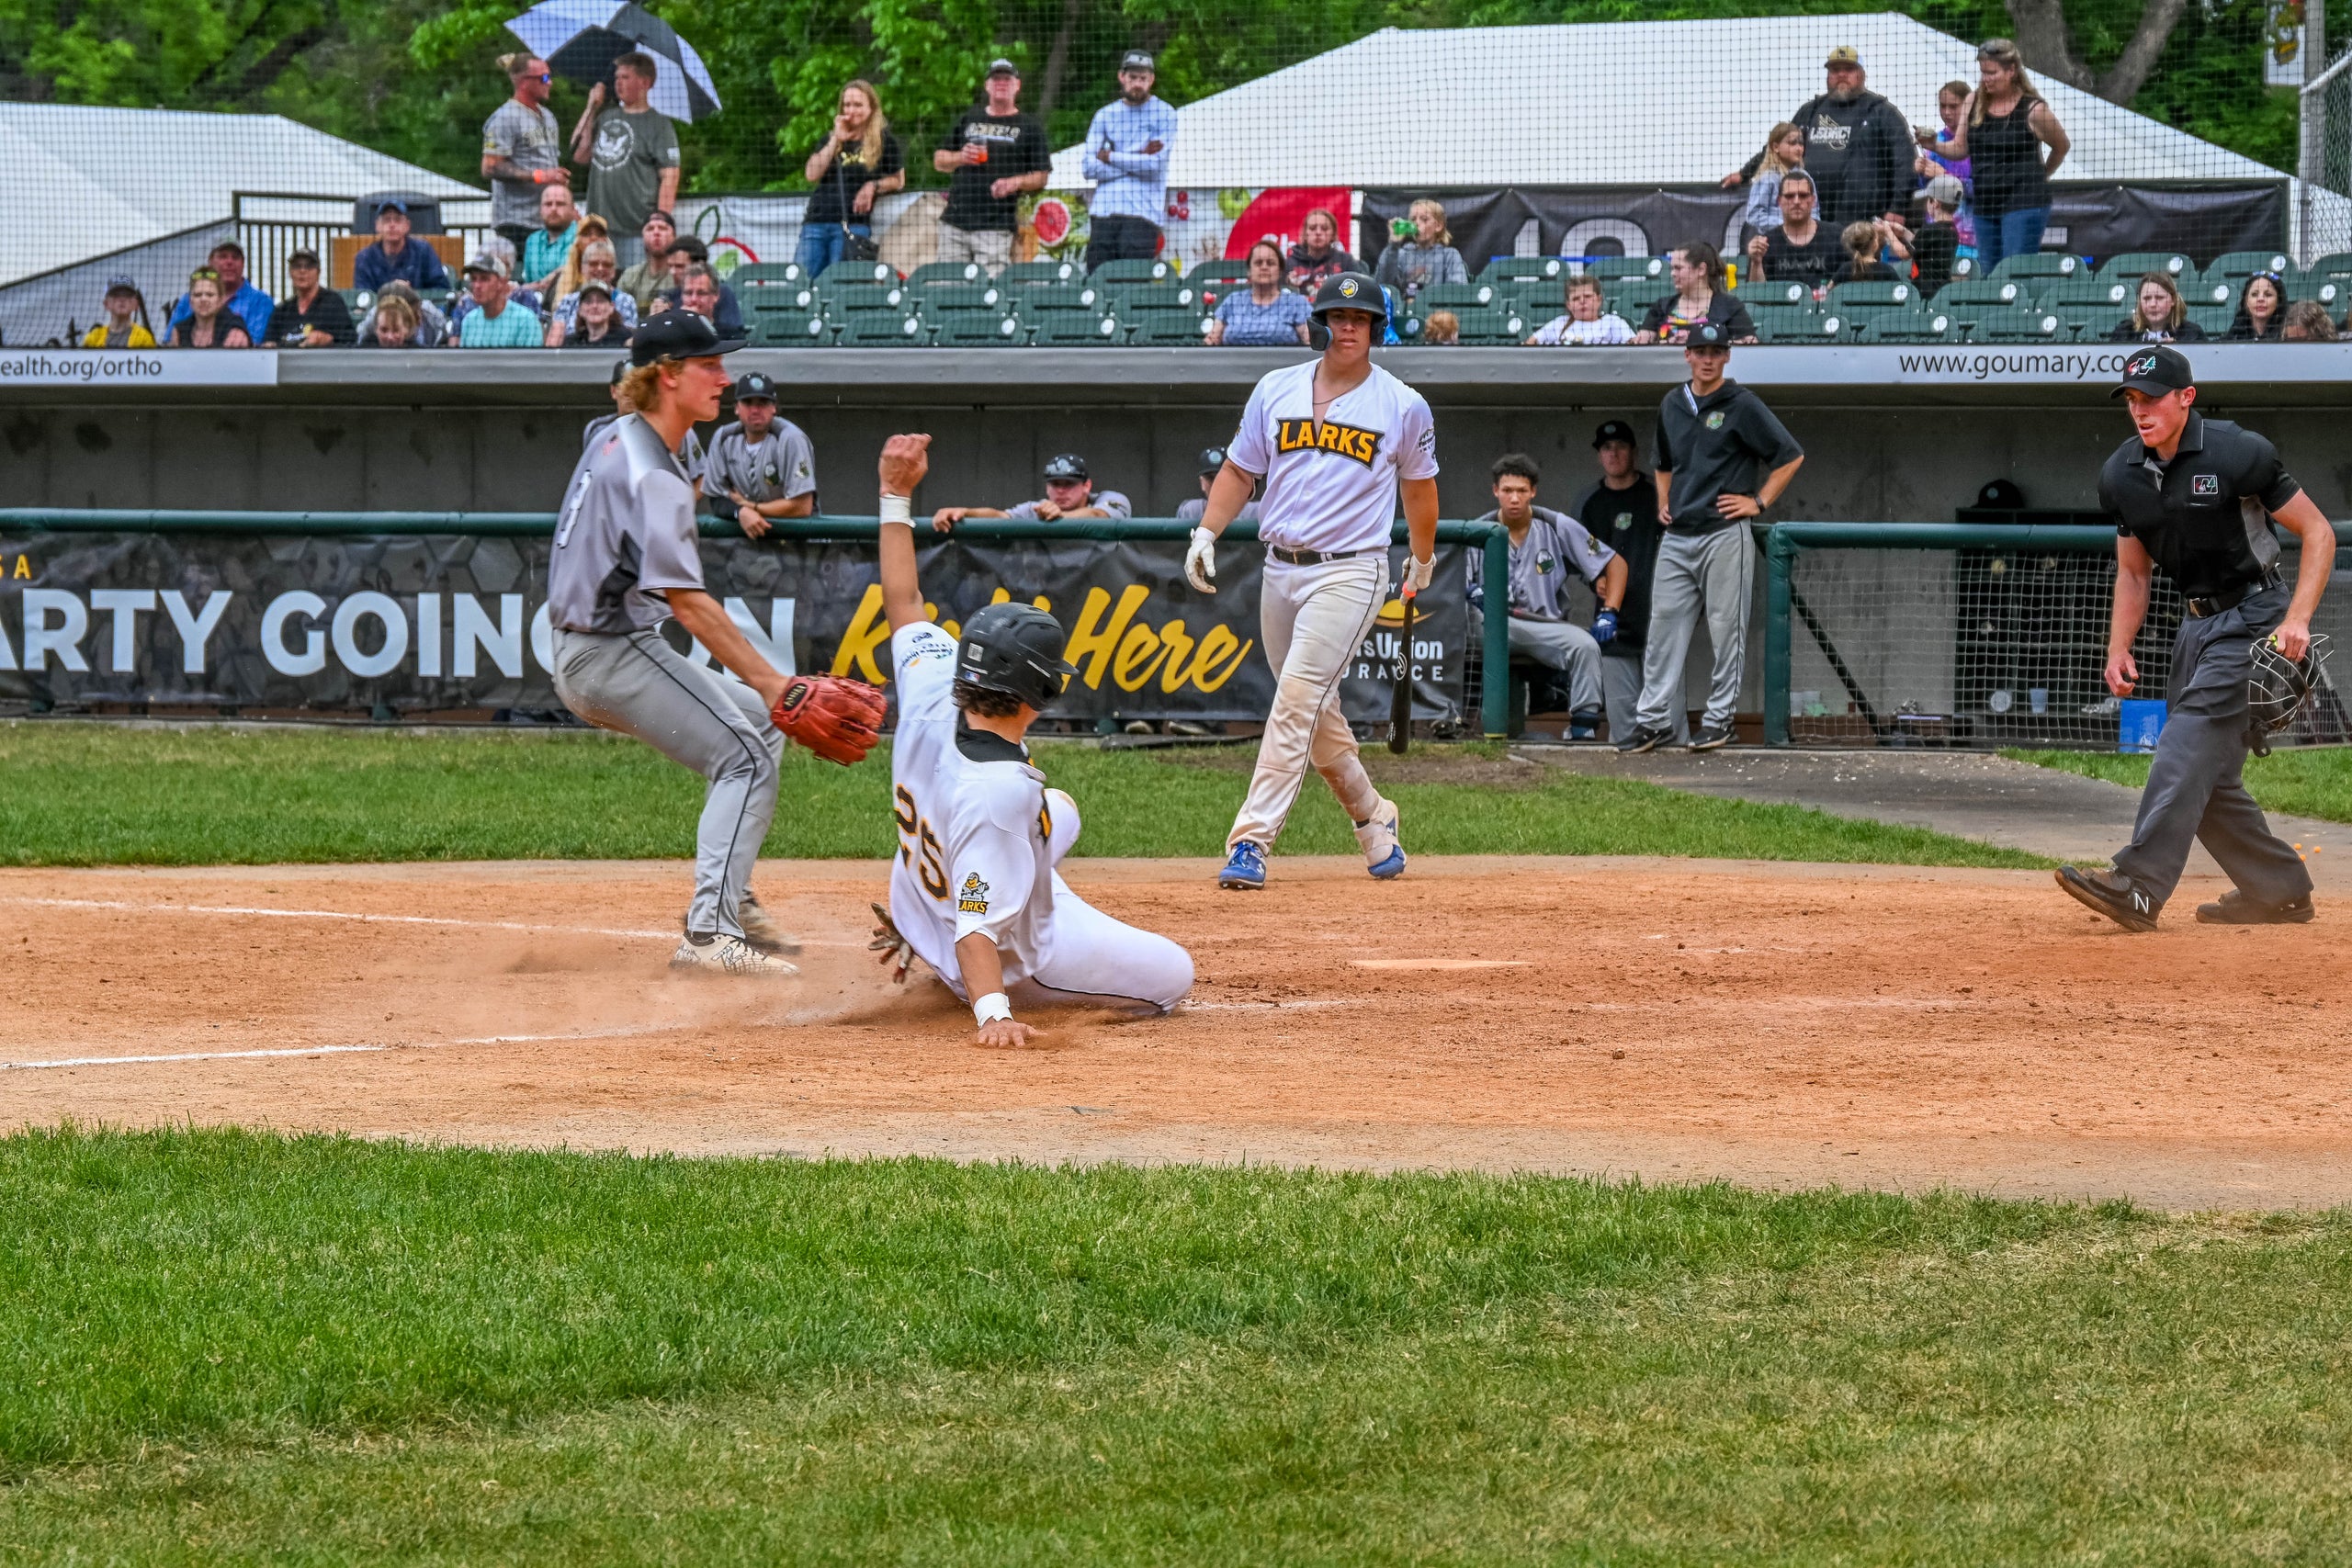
pixel 626 559
pixel 1545 546
pixel 761 467
pixel 691 456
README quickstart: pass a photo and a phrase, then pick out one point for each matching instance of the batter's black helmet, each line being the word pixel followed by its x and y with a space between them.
pixel 1017 650
pixel 1351 291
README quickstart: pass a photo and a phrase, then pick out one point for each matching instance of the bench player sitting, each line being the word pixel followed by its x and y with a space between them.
pixel 1069 493
pixel 973 892
pixel 1545 546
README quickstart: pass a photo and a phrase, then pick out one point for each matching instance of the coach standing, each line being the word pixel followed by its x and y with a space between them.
pixel 1713 437
pixel 2197 497
pixel 1127 149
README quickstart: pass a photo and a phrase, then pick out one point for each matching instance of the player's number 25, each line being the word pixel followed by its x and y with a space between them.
pixel 921 846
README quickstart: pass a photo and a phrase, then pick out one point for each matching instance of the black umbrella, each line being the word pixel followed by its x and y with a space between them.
pixel 581 38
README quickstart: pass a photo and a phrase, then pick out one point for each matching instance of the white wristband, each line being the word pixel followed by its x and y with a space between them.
pixel 991 1008
pixel 898 509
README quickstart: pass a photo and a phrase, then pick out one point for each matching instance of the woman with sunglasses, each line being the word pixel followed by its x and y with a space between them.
pixel 207 325
pixel 2262 310
pixel 2002 135
pixel 522 148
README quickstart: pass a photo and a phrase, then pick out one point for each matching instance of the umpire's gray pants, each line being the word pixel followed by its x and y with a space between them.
pixel 699 717
pixel 1556 644
pixel 1709 573
pixel 1620 691
pixel 2196 789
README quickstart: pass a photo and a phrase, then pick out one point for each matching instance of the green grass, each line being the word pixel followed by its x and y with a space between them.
pixel 2315 780
pixel 223 1346
pixel 93 795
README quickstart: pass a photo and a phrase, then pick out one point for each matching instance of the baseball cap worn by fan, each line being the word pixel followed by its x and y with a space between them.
pixel 1136 59
pixel 1614 430
pixel 488 261
pixel 1947 191
pixel 1843 55
pixel 678 334
pixel 1003 67
pixel 2156 371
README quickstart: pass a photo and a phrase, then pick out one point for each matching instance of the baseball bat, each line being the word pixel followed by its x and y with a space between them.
pixel 1400 707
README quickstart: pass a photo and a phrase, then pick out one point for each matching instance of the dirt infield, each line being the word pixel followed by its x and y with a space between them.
pixel 1772 1024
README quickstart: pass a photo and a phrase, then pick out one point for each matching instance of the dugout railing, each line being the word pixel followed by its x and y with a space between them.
pixel 1971 637
pixel 1493 650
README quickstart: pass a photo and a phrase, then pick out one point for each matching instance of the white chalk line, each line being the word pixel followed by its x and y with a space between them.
pixel 374 919
pixel 323 1050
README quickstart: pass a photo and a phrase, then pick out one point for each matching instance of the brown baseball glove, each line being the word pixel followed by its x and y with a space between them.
pixel 837 718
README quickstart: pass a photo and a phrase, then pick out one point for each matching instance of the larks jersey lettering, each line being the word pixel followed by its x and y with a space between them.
pixel 1331 485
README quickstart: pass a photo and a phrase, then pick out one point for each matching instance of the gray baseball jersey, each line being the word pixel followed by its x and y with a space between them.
pixel 1556 544
pixel 1109 501
pixel 777 467
pixel 1196 509
pixel 691 456
pixel 626 535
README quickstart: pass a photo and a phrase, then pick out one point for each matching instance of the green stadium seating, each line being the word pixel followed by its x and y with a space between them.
pixel 1631 297
pixel 1968 301
pixel 2210 291
pixel 1786 323
pixel 975 329
pixel 939 274
pixel 2015 325
pixel 784 329
pixel 1490 327
pixel 1057 299
pixel 1506 270
pixel 859 298
pixel 1764 291
pixel 2214 320
pixel 1142 297
pixel 1168 329
pixel 1075 329
pixel 1133 272
pixel 842 274
pixel 1872 297
pixel 1605 267
pixel 1908 326
pixel 2139 264
pixel 2332 292
pixel 1036 273
pixel 1216 274
pixel 766 275
pixel 879 329
pixel 984 297
pixel 2112 295
pixel 2036 271
pixel 1965 270
pixel 801 298
pixel 1457 296
pixel 2238 265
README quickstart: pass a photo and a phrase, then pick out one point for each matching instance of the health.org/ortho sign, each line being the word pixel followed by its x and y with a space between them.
pixel 138 367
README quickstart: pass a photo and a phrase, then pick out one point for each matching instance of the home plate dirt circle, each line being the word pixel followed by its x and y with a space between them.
pixel 1778 1025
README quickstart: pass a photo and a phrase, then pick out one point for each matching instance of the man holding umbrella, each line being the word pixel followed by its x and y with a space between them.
pixel 632 153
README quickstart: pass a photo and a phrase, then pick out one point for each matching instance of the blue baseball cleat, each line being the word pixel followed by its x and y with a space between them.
pixel 1384 857
pixel 1245 868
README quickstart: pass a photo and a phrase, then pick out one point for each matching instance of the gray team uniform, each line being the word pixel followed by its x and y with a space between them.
pixel 625 537
pixel 691 456
pixel 1196 509
pixel 778 466
pixel 1109 501
pixel 1540 627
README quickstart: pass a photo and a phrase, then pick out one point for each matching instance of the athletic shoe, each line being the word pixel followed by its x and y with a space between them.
pixel 730 955
pixel 1584 725
pixel 2236 909
pixel 1644 738
pixel 1711 738
pixel 762 933
pixel 2112 894
pixel 1245 868
pixel 1382 855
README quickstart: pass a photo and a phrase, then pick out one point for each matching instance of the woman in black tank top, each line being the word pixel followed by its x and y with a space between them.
pixel 2002 133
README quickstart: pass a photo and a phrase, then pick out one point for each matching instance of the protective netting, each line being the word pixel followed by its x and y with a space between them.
pixel 1985 646
pixel 1126 158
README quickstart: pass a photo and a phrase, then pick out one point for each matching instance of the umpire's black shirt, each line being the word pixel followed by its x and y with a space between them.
pixel 2205 516
pixel 1713 446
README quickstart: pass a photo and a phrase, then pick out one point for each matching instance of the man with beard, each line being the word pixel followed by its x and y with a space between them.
pixel 1858 148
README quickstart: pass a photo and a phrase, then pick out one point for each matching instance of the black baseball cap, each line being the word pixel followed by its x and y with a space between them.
pixel 1349 291
pixel 1614 430
pixel 1137 60
pixel 1003 67
pixel 1707 334
pixel 620 372
pixel 2156 371
pixel 1212 459
pixel 754 385
pixel 591 285
pixel 1067 469
pixel 301 255
pixel 393 204
pixel 678 334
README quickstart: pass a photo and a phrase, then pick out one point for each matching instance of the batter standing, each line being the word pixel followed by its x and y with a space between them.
pixel 2197 497
pixel 1336 440
pixel 625 559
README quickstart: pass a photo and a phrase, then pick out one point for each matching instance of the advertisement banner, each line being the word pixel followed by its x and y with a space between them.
pixel 421 624
pixel 136 369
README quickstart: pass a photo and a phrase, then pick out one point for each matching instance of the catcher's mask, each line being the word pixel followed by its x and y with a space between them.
pixel 1015 648
pixel 2277 687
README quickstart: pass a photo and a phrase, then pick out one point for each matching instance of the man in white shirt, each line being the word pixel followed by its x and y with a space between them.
pixel 1586 322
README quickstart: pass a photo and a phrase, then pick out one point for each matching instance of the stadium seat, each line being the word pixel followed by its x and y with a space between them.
pixel 1971 297
pixel 1511 270
pixel 1063 300
pixel 1763 291
pixel 1872 297
pixel 1075 329
pixel 1606 267
pixel 1787 324
pixel 2015 325
pixel 2111 294
pixel 2238 265
pixel 1171 296
pixel 1631 297
pixel 2034 271
pixel 2210 291
pixel 1168 329
pixel 861 299
pixel 1216 274
pixel 787 329
pixel 1038 273
pixel 878 329
pixel 1492 327
pixel 1456 297
pixel 975 329
pixel 1907 326
pixel 768 275
pixel 841 273
pixel 2214 321
pixel 938 275
pixel 1114 272
pixel 983 298
pixel 2332 292
pixel 2139 264
pixel 1965 270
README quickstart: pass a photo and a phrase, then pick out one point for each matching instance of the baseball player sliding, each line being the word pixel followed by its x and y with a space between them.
pixel 1336 439
pixel 973 892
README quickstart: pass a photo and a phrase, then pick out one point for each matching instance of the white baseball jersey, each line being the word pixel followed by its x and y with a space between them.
pixel 1333 487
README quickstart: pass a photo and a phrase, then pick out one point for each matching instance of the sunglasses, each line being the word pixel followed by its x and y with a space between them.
pixel 204 274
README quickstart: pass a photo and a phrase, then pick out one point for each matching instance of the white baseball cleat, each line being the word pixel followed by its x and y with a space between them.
pixel 1384 857
pixel 730 955
pixel 761 932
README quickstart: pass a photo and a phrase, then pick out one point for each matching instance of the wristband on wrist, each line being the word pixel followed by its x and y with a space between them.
pixel 991 1008
pixel 898 509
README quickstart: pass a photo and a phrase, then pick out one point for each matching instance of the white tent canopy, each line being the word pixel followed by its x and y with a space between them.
pixel 1604 104
pixel 88 182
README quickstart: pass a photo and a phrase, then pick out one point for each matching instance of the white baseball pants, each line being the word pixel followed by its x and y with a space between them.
pixel 1312 619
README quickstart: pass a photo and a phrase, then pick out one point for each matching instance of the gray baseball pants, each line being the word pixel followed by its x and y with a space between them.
pixel 1621 692
pixel 1556 644
pixel 1709 573
pixel 2196 785
pixel 701 719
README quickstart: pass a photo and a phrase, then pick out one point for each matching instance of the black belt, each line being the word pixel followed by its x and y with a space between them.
pixel 1316 557
pixel 2230 599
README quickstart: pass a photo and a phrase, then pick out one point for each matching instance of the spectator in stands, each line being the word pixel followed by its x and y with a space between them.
pixel 1069 493
pixel 209 324
pixel 1545 546
pixel 2262 310
pixel 858 161
pixel 522 148
pixel 1441 329
pixel 759 467
pixel 573 272
pixel 1588 320
pixel 392 258
pixel 1318 254
pixel 992 155
pixel 310 317
pixel 1951 103
pixel 2158 315
pixel 126 325
pixel 1699 296
pixel 591 317
pixel 632 153
pixel 2002 136
pixel 1803 249
pixel 1621 513
pixel 1783 151
pixel 1858 146
pixel 601 269
pixel 1212 464
pixel 1419 252
pixel 546 247
pixel 1865 246
pixel 1935 244
pixel 395 322
pixel 1265 314
pixel 649 276
pixel 497 320
pixel 1127 147
pixel 687 254
pixel 700 291
pixel 239 298
pixel 2308 322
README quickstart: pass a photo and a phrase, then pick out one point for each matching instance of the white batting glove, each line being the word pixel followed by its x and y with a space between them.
pixel 1200 562
pixel 1419 572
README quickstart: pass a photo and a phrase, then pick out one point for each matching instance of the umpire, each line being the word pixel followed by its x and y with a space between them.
pixel 2197 497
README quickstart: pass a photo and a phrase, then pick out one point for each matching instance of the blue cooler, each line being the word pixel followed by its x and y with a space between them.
pixel 2143 721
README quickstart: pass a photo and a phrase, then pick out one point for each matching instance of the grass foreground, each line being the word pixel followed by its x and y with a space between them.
pixel 2302 781
pixel 225 1346
pixel 82 793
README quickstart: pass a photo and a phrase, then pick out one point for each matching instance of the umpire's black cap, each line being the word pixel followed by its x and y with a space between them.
pixel 678 334
pixel 1067 469
pixel 1015 648
pixel 2156 371
pixel 1212 459
pixel 1351 291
